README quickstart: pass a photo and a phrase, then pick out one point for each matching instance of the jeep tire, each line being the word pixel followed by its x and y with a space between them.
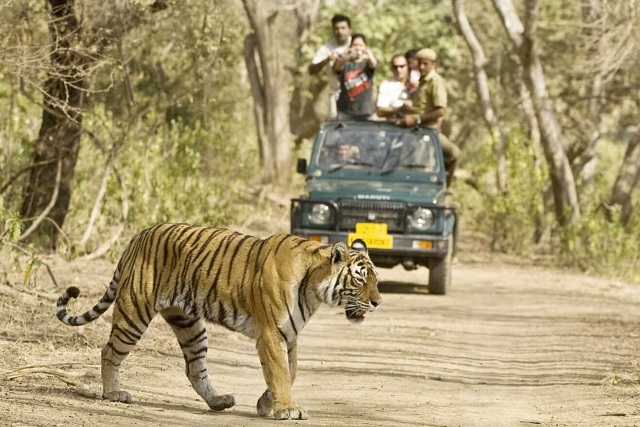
pixel 440 271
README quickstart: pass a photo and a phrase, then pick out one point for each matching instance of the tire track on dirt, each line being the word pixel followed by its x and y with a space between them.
pixel 506 335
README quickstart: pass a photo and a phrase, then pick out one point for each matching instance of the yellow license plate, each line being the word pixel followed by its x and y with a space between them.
pixel 371 228
pixel 374 235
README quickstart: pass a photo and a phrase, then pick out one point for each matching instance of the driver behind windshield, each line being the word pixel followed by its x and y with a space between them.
pixel 346 152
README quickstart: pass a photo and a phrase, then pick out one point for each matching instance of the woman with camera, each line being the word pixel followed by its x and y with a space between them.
pixel 355 71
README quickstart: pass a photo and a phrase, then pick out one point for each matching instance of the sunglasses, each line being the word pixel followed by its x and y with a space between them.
pixel 396 66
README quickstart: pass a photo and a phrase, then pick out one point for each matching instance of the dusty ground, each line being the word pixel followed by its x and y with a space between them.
pixel 510 345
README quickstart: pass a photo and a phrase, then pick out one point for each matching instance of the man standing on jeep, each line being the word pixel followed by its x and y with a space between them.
pixel 429 104
pixel 326 56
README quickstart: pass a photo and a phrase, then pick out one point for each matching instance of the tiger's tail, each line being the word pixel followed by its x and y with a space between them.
pixel 92 314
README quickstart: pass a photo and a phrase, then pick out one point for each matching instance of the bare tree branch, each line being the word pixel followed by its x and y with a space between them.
pixel 124 197
pixel 567 207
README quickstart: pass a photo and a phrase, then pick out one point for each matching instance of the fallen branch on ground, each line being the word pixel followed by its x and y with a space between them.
pixel 71 378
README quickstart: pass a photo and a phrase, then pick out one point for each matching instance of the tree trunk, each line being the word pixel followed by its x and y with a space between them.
pixel 541 217
pixel 567 207
pixel 76 50
pixel 59 136
pixel 584 160
pixel 626 181
pixel 482 86
pixel 308 107
pixel 257 93
pixel 270 82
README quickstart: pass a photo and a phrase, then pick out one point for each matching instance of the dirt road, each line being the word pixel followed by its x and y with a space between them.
pixel 508 346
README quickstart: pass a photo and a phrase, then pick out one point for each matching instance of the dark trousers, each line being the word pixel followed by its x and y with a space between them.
pixel 451 154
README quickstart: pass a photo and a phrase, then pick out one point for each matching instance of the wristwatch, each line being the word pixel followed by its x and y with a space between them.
pixel 418 119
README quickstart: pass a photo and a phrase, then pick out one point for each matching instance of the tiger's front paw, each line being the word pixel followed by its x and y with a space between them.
pixel 118 396
pixel 290 414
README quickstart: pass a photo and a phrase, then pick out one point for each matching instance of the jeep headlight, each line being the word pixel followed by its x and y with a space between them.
pixel 421 219
pixel 320 214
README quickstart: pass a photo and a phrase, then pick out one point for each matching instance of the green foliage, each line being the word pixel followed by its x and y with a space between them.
pixel 12 224
pixel 186 63
pixel 18 128
pixel 172 102
pixel 11 227
pixel 179 173
pixel 171 185
pixel 593 243
pixel 187 141
pixel 169 104
pixel 596 245
pixel 396 26
pixel 31 271
pixel 510 218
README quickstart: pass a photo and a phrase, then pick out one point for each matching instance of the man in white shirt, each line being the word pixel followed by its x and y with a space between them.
pixel 328 53
pixel 393 97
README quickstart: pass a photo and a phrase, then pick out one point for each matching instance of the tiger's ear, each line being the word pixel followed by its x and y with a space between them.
pixel 339 252
pixel 359 245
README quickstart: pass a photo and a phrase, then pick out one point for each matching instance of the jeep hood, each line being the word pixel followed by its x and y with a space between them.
pixel 412 192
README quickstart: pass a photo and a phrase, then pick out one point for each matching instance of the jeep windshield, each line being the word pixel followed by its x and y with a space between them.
pixel 376 148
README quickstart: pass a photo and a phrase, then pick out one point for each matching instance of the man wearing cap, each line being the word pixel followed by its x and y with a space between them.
pixel 429 104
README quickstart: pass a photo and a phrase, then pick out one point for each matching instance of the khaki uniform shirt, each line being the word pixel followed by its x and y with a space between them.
pixel 431 94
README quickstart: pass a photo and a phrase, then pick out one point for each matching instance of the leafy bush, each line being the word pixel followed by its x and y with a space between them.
pixel 510 218
pixel 593 243
pixel 515 218
pixel 175 174
pixel 598 246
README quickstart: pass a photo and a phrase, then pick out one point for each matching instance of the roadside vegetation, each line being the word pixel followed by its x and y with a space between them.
pixel 116 116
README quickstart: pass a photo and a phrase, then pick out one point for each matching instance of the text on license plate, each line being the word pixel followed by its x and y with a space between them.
pixel 374 235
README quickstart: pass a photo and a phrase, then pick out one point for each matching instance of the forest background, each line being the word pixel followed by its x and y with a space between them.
pixel 119 115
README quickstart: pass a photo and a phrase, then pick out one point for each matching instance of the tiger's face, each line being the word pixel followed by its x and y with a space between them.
pixel 358 283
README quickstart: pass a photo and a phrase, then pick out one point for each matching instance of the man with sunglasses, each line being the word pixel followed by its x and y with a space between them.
pixel 429 104
pixel 392 93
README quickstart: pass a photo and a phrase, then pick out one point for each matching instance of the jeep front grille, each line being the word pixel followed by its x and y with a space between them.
pixel 354 211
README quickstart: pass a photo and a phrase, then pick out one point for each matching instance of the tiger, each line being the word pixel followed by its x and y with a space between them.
pixel 266 289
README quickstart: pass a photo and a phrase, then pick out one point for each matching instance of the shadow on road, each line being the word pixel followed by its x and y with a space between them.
pixel 394 287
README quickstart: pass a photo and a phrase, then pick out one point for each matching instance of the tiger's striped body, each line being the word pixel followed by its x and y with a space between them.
pixel 266 289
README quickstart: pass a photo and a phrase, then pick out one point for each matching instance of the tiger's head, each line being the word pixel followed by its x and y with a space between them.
pixel 356 285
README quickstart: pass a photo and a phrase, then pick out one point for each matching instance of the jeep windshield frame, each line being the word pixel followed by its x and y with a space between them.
pixel 363 149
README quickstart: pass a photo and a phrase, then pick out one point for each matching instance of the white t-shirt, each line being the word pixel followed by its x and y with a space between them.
pixel 391 93
pixel 323 53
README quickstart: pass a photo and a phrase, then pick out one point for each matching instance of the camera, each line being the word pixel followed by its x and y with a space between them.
pixel 356 54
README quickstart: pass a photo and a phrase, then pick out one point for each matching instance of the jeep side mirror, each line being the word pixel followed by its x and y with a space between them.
pixel 302 166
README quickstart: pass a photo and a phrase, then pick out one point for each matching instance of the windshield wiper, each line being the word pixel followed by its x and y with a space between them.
pixel 350 162
pixel 387 171
pixel 405 166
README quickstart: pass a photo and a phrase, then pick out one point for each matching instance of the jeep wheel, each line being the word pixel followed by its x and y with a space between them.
pixel 440 272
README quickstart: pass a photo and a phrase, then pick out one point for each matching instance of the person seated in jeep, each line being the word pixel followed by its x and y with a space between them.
pixel 342 153
pixel 346 152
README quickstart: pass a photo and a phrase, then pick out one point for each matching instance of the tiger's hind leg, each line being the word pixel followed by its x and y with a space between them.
pixel 126 331
pixel 192 337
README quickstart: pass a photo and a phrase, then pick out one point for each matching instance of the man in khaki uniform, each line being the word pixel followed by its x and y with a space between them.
pixel 429 104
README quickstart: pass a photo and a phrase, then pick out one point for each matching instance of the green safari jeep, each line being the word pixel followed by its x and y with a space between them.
pixel 386 185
